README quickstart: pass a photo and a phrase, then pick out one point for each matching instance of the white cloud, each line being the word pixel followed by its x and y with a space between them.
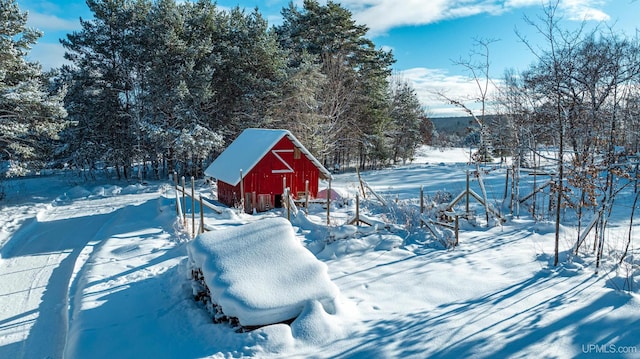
pixel 51 23
pixel 522 3
pixel 584 10
pixel 428 82
pixel 382 15
pixel 48 55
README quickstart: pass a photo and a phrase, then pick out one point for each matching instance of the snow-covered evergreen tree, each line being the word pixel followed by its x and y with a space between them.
pixel 139 78
pixel 353 98
pixel 31 116
pixel 407 115
pixel 250 72
pixel 104 54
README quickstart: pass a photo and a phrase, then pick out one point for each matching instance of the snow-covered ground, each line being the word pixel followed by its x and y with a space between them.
pixel 101 271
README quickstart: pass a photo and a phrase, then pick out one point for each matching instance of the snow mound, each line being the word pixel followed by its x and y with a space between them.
pixel 358 245
pixel 133 189
pixel 107 191
pixel 272 339
pixel 343 232
pixel 228 213
pixel 69 196
pixel 315 326
pixel 78 192
pixel 260 273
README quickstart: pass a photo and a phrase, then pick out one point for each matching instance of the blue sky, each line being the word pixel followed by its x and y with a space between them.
pixel 426 36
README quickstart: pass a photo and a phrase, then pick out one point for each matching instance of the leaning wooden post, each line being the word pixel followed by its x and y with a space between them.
pixel 193 207
pixel 306 196
pixel 184 203
pixel 456 229
pixel 364 194
pixel 329 203
pixel 242 192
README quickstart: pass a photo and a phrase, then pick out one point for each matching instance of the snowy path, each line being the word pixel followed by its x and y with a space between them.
pixel 36 270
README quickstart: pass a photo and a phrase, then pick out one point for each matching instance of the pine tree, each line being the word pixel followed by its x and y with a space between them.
pixel 251 70
pixel 31 115
pixel 353 98
pixel 407 115
pixel 298 108
pixel 103 55
pixel 141 84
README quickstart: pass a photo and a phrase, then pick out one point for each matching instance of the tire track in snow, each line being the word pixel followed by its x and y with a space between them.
pixel 39 261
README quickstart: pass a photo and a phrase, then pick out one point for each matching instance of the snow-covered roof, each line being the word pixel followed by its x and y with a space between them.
pixel 260 273
pixel 248 149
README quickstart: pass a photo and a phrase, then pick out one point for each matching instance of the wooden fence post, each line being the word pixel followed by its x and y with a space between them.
pixel 515 193
pixel 364 194
pixel 306 196
pixel 285 198
pixel 535 200
pixel 467 194
pixel 284 188
pixel 329 203
pixel 506 185
pixel 193 207
pixel 421 204
pixel 175 186
pixel 456 229
pixel 201 215
pixel 242 192
pixel 357 210
pixel 178 209
pixel 184 203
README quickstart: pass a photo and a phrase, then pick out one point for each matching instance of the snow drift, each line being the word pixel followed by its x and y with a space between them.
pixel 260 273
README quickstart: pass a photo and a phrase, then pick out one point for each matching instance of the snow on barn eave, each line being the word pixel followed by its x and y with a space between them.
pixel 244 153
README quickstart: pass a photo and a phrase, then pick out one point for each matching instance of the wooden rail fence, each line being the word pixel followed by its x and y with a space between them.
pixel 182 192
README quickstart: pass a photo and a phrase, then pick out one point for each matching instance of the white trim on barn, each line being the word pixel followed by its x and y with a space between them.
pixel 288 169
pixel 248 149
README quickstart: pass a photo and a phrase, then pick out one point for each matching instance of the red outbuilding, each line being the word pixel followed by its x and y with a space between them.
pixel 268 161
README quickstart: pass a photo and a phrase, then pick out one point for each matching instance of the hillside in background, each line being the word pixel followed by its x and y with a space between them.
pixel 458 125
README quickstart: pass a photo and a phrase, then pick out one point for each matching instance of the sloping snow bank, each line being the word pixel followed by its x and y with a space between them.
pixel 260 273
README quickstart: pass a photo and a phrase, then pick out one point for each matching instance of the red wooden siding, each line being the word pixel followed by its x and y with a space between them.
pixel 283 160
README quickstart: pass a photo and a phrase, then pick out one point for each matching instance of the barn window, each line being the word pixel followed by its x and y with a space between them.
pixel 296 153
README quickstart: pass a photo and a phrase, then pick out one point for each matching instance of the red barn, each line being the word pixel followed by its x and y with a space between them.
pixel 266 159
